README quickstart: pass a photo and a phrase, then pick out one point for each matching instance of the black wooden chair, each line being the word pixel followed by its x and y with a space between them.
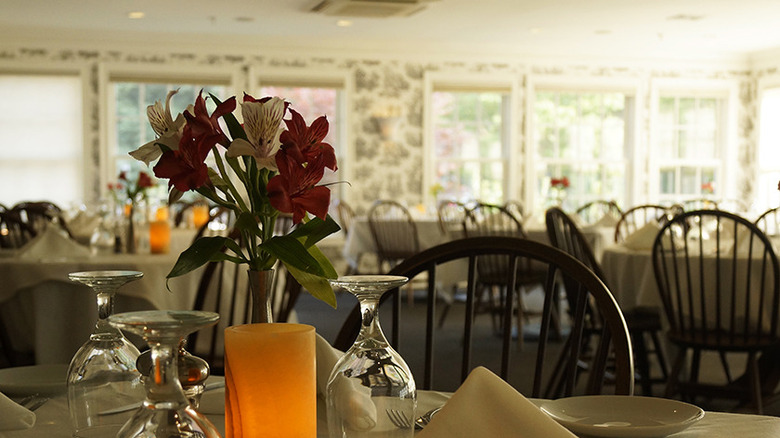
pixel 494 220
pixel 14 233
pixel 394 232
pixel 41 214
pixel 592 211
pixel 557 371
pixel 769 222
pixel 642 322
pixel 718 279
pixel 635 217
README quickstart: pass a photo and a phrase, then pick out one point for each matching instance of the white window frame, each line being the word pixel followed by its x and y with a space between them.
pixel 307 78
pixel 701 88
pixel 631 87
pixel 766 83
pixel 108 73
pixel 82 71
pixel 510 84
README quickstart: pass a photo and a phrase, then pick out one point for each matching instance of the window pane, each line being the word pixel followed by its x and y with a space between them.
pixel 588 128
pixel 687 149
pixel 43 116
pixel 469 148
pixel 131 127
pixel 689 183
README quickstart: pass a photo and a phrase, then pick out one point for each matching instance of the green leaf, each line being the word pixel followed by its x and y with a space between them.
pixel 330 271
pixel 292 253
pixel 197 255
pixel 315 230
pixel 246 221
pixel 318 287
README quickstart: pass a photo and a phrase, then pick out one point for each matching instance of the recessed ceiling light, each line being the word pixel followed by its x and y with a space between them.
pixel 603 32
pixel 535 30
pixel 685 17
pixel 135 15
pixel 245 19
pixel 344 23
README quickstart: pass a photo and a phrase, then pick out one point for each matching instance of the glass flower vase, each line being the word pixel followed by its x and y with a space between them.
pixel 371 379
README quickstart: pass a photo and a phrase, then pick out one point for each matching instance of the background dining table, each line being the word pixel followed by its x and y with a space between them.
pixel 44 312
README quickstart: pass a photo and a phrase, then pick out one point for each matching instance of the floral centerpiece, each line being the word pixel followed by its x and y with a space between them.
pixel 708 188
pixel 267 166
pixel 558 188
pixel 133 190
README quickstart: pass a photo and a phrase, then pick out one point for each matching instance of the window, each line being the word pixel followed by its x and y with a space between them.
pixel 581 136
pixel 688 147
pixel 44 148
pixel 470 152
pixel 130 123
pixel 767 194
pixel 312 102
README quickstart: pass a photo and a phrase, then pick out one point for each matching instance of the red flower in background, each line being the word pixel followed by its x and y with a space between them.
pixel 560 183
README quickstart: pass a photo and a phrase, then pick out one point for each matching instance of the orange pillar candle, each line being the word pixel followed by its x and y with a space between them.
pixel 271 384
pixel 200 215
pixel 159 237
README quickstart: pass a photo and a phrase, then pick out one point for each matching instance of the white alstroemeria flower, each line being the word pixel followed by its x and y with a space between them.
pixel 167 129
pixel 263 125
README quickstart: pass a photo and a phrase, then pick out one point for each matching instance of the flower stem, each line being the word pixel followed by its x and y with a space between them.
pixel 225 177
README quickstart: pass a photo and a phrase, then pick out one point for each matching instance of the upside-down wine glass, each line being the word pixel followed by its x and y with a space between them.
pixel 371 379
pixel 102 374
pixel 166 412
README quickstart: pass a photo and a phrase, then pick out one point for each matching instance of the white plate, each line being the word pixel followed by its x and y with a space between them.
pixel 36 379
pixel 622 416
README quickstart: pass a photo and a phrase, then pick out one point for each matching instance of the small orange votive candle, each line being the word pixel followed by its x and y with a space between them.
pixel 270 381
pixel 161 214
pixel 159 237
pixel 200 215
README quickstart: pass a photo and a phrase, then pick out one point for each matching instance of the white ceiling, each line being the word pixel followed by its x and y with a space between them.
pixel 691 29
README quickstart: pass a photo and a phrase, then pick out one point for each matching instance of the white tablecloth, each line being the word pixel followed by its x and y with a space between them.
pixel 43 311
pixel 53 421
pixel 360 241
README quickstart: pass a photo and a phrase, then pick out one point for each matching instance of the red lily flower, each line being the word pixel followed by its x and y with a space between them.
pixel 305 143
pixel 294 189
pixel 186 168
pixel 204 126
pixel 144 180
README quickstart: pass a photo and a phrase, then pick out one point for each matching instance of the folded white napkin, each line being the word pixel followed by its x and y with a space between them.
pixel 351 399
pixel 644 237
pixel 13 416
pixel 485 406
pixel 49 243
pixel 83 224
pixel 606 221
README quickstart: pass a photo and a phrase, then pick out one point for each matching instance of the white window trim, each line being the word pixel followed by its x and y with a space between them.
pixel 632 87
pixel 770 82
pixel 728 89
pixel 108 72
pixel 258 77
pixel 81 71
pixel 486 81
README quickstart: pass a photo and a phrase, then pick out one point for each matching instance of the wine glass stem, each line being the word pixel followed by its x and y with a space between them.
pixel 105 306
pixel 163 386
pixel 370 327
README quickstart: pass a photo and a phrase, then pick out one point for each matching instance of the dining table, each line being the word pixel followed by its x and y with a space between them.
pixel 52 419
pixel 45 313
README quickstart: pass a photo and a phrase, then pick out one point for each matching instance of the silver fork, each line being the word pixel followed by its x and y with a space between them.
pixel 399 419
pixel 33 402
